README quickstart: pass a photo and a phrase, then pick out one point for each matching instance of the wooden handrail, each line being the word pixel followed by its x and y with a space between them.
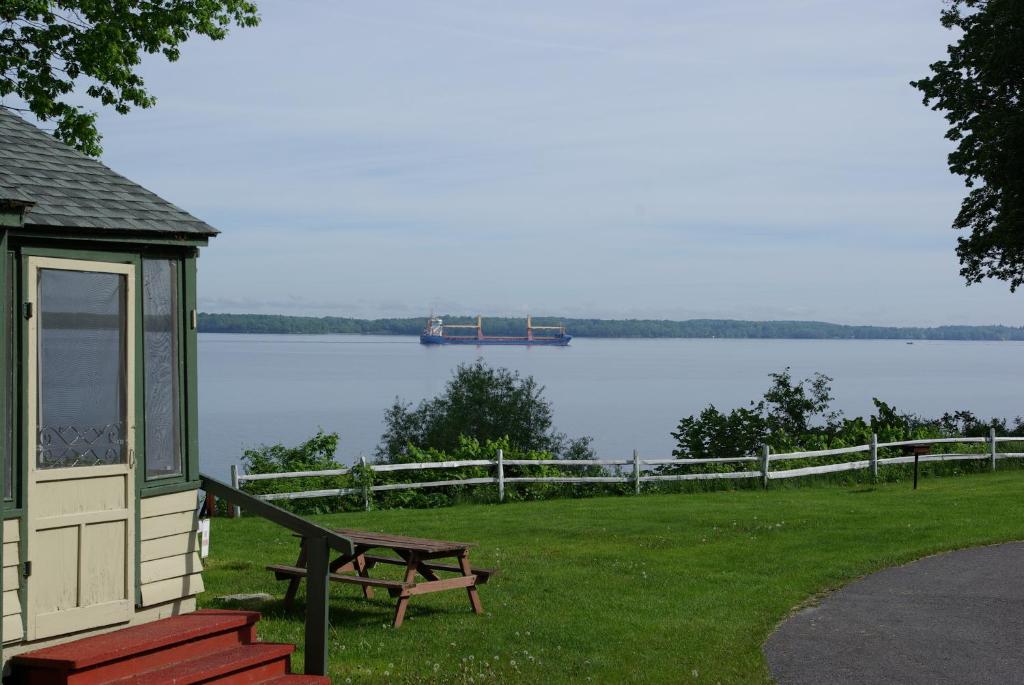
pixel 276 514
pixel 318 542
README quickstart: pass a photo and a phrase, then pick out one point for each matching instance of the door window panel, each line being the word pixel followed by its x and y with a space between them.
pixel 161 336
pixel 81 358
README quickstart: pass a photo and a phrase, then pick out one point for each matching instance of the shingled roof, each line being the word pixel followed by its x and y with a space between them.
pixel 70 190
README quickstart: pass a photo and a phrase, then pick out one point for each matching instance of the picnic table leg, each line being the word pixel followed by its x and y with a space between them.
pixel 345 562
pixel 354 562
pixel 411 562
pixel 421 567
pixel 293 584
pixel 362 570
pixel 467 570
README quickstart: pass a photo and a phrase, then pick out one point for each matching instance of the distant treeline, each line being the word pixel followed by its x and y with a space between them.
pixel 605 328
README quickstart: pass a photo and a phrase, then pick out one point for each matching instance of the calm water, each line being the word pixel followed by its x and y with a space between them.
pixel 625 393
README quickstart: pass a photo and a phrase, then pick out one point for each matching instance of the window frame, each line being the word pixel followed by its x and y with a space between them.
pixel 181 361
pixel 11 369
pixel 188 379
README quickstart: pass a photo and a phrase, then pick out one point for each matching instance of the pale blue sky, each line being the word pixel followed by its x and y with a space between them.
pixel 740 159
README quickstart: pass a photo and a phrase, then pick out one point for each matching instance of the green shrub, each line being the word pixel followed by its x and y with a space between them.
pixel 315 454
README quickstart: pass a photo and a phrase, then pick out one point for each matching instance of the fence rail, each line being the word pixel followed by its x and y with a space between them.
pixel 636 474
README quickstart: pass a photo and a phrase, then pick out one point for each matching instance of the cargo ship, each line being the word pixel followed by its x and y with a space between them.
pixel 435 334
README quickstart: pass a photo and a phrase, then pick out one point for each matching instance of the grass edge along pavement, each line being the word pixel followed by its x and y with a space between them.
pixel 661 588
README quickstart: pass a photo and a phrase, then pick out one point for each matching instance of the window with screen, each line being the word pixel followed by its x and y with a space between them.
pixel 82 385
pixel 161 335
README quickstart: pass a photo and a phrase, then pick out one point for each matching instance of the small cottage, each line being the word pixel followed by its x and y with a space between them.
pixel 98 403
pixel 98 427
pixel 100 459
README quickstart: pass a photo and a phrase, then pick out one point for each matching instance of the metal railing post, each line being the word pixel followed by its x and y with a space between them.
pixel 992 445
pixel 765 461
pixel 317 606
pixel 366 483
pixel 636 471
pixel 874 457
pixel 501 475
pixel 234 511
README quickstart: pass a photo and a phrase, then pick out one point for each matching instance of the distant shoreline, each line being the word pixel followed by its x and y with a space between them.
pixel 607 328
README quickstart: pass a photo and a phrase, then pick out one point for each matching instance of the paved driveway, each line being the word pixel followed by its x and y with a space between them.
pixel 951 618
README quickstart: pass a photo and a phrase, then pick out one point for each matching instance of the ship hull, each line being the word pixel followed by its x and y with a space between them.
pixel 559 341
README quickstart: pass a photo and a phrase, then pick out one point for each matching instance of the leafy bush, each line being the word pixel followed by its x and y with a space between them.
pixel 479 402
pixel 794 416
pixel 315 454
pixel 471 449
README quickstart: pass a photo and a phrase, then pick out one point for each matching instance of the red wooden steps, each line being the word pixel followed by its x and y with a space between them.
pixel 206 646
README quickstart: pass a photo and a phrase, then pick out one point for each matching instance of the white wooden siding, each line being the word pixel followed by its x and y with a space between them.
pixel 12 603
pixel 159 548
pixel 12 628
pixel 170 567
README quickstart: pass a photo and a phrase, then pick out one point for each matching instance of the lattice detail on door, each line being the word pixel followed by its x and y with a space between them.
pixel 62 447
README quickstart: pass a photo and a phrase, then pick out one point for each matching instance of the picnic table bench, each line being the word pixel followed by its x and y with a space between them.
pixel 418 555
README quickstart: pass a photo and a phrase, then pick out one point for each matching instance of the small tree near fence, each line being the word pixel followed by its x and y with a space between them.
pixel 315 454
pixel 481 403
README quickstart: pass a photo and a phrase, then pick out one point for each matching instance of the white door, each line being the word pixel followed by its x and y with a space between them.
pixel 81 416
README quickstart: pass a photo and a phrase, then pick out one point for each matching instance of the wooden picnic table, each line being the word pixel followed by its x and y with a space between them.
pixel 418 555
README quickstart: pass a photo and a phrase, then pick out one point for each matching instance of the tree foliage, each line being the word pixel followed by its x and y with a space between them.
pixel 604 328
pixel 980 87
pixel 315 454
pixel 483 404
pixel 790 416
pixel 47 48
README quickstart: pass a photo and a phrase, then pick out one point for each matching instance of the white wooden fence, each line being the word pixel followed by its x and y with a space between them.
pixel 636 473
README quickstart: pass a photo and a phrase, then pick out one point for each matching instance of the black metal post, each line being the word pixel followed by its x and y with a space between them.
pixel 317 605
pixel 917 458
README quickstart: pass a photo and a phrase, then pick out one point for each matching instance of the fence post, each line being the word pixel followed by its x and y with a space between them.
pixel 765 459
pixel 874 457
pixel 366 483
pixel 234 511
pixel 636 470
pixel 501 475
pixel 992 445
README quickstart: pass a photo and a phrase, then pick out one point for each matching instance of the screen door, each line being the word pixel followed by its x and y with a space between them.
pixel 81 492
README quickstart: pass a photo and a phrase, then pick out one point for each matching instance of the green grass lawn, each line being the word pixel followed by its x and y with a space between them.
pixel 659 589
